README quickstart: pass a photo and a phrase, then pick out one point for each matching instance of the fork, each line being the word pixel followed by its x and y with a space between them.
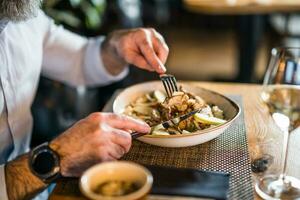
pixel 170 83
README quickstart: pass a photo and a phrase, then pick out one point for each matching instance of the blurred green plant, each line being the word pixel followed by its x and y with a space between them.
pixel 77 14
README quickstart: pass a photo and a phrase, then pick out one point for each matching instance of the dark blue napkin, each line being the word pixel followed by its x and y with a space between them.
pixel 189 182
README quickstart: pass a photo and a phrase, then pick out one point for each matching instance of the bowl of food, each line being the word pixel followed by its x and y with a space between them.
pixel 116 180
pixel 148 102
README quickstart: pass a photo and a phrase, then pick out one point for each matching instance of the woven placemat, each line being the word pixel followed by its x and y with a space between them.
pixel 226 153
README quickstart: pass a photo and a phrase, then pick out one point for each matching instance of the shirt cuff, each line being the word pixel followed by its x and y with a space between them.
pixel 95 72
pixel 3 191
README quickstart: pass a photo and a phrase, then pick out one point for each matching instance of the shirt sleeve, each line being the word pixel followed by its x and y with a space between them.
pixel 74 59
pixel 3 191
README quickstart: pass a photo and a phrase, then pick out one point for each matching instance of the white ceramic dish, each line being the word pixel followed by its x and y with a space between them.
pixel 230 108
pixel 116 170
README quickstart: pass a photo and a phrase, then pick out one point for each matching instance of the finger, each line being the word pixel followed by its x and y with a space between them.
pixel 152 59
pixel 146 47
pixel 121 138
pixel 109 158
pixel 138 60
pixel 116 151
pixel 160 46
pixel 125 123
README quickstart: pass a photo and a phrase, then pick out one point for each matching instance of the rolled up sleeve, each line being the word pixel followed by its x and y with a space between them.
pixel 73 59
pixel 3 191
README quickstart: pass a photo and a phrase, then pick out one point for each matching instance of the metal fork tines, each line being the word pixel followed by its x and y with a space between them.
pixel 170 84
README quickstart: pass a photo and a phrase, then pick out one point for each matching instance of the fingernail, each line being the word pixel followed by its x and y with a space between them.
pixel 147 129
pixel 146 126
pixel 162 68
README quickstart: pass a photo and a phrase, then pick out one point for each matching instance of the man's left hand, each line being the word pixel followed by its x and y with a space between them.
pixel 142 47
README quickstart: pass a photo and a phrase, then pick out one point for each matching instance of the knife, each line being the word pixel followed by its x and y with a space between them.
pixel 167 124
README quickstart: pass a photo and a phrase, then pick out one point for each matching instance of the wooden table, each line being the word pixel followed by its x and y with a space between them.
pixel 263 135
pixel 250 27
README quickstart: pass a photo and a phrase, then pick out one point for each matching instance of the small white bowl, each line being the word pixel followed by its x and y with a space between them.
pixel 116 170
pixel 230 108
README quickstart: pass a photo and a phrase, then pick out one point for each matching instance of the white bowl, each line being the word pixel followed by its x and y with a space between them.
pixel 116 170
pixel 230 108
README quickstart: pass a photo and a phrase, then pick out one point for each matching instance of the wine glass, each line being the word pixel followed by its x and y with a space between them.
pixel 281 93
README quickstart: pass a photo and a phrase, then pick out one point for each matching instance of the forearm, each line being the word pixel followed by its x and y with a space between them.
pixel 20 182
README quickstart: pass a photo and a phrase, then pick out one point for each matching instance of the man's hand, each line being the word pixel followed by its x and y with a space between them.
pixel 144 48
pixel 97 138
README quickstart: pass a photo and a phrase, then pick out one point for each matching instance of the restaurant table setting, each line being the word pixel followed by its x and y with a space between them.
pixel 217 166
pixel 226 154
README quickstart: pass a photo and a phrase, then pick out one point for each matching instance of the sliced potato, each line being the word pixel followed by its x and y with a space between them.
pixel 176 93
pixel 185 132
pixel 159 95
pixel 160 126
pixel 142 99
pixel 205 119
pixel 217 112
pixel 160 132
pixel 206 111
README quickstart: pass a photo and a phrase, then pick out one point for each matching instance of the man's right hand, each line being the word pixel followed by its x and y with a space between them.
pixel 99 137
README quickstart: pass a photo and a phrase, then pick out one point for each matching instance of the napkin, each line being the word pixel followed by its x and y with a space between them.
pixel 189 182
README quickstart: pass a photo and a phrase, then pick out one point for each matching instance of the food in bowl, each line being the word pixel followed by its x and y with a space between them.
pixel 231 111
pixel 115 188
pixel 155 107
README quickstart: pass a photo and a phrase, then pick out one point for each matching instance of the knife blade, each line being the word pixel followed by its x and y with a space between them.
pixel 167 124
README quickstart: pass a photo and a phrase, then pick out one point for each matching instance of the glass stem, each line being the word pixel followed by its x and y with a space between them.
pixel 284 153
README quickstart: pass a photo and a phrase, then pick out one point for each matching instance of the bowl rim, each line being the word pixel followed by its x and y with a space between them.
pixel 227 123
pixel 137 194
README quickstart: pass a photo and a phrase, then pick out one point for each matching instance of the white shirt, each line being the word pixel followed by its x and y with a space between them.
pixel 28 49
